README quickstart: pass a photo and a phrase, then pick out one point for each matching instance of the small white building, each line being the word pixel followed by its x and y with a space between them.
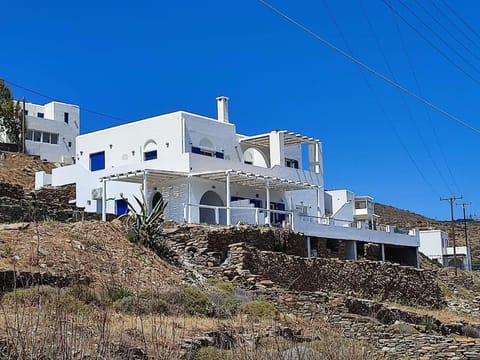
pixel 51 130
pixel 208 173
pixel 434 244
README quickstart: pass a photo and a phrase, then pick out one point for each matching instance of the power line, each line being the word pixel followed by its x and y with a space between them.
pixel 427 112
pixel 402 95
pixel 458 28
pixel 460 18
pixel 425 9
pixel 411 11
pixel 440 51
pixel 380 105
pixel 54 99
pixel 368 68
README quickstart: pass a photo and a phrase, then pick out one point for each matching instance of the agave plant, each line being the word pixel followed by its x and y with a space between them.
pixel 145 227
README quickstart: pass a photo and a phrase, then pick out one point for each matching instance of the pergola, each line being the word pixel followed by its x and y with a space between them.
pixel 229 176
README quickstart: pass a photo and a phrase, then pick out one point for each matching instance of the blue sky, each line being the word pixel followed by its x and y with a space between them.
pixel 135 60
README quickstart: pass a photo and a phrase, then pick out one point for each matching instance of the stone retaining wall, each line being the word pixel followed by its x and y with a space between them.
pixel 50 203
pixel 366 279
pixel 208 246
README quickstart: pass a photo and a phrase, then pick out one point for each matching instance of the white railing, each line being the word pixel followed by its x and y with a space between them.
pixel 240 214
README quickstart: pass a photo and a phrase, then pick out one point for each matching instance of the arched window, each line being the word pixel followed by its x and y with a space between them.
pixel 150 150
pixel 255 157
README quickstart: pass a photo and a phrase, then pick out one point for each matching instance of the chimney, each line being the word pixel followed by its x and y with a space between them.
pixel 222 108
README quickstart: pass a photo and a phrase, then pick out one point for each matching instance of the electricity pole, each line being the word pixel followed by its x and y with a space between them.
pixel 23 125
pixel 452 199
pixel 463 205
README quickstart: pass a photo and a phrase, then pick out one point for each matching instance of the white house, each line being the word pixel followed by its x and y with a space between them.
pixel 208 173
pixel 434 244
pixel 51 130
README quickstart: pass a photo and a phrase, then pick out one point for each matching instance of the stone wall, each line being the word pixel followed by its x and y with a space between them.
pixel 366 279
pixel 51 203
pixel 208 246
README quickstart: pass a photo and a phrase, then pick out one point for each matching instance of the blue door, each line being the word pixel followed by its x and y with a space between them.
pixel 122 206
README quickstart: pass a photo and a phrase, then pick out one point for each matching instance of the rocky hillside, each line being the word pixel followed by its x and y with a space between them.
pixel 19 169
pixel 406 219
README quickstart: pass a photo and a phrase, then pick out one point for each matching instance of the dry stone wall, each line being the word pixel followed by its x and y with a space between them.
pixel 208 246
pixel 52 203
pixel 366 279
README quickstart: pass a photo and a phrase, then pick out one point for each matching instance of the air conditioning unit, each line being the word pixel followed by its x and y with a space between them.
pixel 96 194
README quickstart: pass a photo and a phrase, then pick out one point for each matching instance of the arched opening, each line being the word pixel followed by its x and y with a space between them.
pixel 255 157
pixel 156 198
pixel 150 150
pixel 207 215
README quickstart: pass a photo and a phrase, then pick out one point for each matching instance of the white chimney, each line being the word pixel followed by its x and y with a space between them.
pixel 222 108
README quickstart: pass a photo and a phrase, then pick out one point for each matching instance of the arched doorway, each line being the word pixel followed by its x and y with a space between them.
pixel 207 215
pixel 157 197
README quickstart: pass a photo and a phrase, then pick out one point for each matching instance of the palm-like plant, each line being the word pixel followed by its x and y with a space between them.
pixel 145 227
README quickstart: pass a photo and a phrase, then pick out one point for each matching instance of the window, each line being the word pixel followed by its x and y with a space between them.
pixel 69 144
pixel 150 155
pixel 46 137
pixel 206 152
pixel 29 135
pixel 53 138
pixel 37 136
pixel 248 162
pixel 97 161
pixel 65 117
pixel 26 112
pixel 291 163
pixel 40 115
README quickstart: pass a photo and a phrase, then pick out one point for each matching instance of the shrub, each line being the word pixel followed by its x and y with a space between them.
pixel 209 353
pixel 141 305
pixel 222 285
pixel 30 296
pixel 118 294
pixel 189 300
pixel 259 308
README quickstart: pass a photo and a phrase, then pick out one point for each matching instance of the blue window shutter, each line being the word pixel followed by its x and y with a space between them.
pixel 219 155
pixel 97 161
pixel 196 150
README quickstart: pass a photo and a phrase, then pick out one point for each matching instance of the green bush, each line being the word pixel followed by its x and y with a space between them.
pixel 260 308
pixel 141 305
pixel 188 300
pixel 117 294
pixel 222 285
pixel 209 353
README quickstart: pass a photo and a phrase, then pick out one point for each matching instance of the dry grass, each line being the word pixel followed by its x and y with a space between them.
pixel 46 322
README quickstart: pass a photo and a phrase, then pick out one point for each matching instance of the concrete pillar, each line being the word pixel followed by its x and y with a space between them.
pixel 309 246
pixel 277 153
pixel 319 206
pixel 227 180
pixel 146 192
pixel 267 189
pixel 315 157
pixel 383 251
pixel 189 200
pixel 104 200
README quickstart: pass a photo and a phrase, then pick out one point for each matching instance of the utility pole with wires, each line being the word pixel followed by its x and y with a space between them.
pixel 452 199
pixel 464 205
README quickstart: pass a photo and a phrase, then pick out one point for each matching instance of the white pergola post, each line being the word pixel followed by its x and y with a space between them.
pixel 382 246
pixel 267 189
pixel 145 191
pixel 317 158
pixel 319 200
pixel 227 180
pixel 355 252
pixel 189 200
pixel 104 200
